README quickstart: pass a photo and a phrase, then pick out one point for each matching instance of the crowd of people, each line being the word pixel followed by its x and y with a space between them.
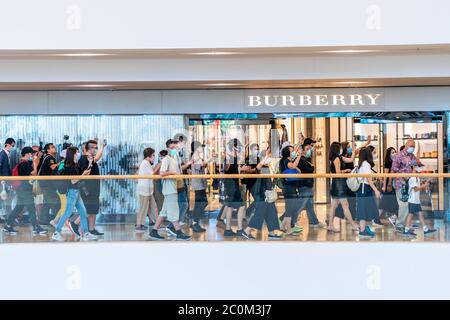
pixel 166 202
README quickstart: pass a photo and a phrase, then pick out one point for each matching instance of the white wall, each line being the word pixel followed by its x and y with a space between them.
pixel 105 24
pixel 225 270
pixel 213 101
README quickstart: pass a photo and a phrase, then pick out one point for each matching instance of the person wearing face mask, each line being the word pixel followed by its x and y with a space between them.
pixel 74 200
pixel 199 164
pixel 305 190
pixel 388 204
pixel 49 167
pixel 233 197
pixel 349 152
pixel 170 209
pixel 145 189
pixel 157 192
pixel 5 170
pixel 289 164
pixel 90 191
pixel 251 162
pixel 339 187
pixel 403 162
pixel 25 197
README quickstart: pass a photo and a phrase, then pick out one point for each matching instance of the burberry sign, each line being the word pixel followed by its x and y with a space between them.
pixel 313 100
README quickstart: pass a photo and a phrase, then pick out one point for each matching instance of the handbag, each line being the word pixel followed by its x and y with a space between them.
pixel 292 171
pixel 353 183
pixel 37 190
pixel 271 195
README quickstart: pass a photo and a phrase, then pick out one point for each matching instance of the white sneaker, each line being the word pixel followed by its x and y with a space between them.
pixel 88 237
pixel 392 220
pixel 53 223
pixel 57 237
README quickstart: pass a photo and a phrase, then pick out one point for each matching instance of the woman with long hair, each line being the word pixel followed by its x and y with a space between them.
pixel 74 200
pixel 339 187
pixel 388 204
pixel 366 207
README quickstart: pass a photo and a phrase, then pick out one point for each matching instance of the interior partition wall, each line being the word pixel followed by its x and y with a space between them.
pixel 126 137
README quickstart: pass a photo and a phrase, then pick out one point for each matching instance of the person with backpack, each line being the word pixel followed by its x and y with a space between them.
pixel 74 200
pixel 24 188
pixel 366 206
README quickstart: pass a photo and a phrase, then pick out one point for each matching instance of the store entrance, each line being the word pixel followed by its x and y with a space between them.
pixel 384 129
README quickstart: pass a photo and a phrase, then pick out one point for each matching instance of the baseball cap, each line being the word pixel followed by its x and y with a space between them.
pixel 26 150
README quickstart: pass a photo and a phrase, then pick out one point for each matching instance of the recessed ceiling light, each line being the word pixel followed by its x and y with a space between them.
pixel 349 51
pixel 83 54
pixel 214 53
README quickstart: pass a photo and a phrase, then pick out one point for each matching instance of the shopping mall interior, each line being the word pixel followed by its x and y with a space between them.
pixel 119 200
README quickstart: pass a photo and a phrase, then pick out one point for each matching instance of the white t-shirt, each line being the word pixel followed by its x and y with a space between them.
pixel 145 186
pixel 365 168
pixel 169 185
pixel 414 196
pixel 197 168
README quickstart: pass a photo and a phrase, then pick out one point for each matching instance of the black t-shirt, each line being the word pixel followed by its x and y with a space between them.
pixel 234 166
pixel 253 163
pixel 25 169
pixel 46 169
pixel 306 166
pixel 93 186
pixel 71 171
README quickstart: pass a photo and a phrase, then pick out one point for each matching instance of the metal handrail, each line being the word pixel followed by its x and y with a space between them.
pixel 227 176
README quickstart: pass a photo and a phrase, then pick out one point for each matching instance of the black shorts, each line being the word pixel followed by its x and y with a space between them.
pixel 414 208
pixel 91 203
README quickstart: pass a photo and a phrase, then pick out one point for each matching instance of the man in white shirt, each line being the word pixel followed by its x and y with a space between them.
pixel 170 209
pixel 145 188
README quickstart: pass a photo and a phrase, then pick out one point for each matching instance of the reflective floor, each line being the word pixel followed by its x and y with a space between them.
pixel 126 232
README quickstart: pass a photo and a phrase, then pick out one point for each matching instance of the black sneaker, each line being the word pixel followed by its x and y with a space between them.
pixel 74 228
pixel 95 232
pixel 229 233
pixel 429 231
pixel 154 235
pixel 39 230
pixel 274 237
pixel 10 230
pixel 197 228
pixel 242 233
pixel 171 230
pixel 182 236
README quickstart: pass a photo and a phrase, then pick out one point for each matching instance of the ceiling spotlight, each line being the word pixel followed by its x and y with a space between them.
pixel 214 53
pixel 83 54
pixel 349 51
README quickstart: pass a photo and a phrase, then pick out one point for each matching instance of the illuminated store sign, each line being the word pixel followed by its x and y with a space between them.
pixel 313 100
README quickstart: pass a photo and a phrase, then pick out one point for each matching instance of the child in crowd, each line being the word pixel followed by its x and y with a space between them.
pixel 415 186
